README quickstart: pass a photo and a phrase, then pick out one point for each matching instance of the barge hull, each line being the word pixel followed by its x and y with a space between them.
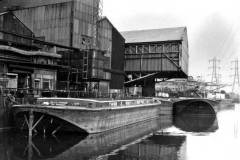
pixel 97 120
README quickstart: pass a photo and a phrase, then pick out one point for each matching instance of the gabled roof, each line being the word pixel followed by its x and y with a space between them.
pixel 104 18
pixel 155 35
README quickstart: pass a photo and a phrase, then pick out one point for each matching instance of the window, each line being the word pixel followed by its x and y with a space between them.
pixel 127 50
pixel 139 49
pixel 86 41
pixel 146 49
pixel 175 48
pixel 168 48
pixel 37 83
pixel 152 48
pixel 132 50
pixel 47 84
pixel 159 49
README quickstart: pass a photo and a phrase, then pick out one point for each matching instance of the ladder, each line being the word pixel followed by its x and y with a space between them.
pixel 85 65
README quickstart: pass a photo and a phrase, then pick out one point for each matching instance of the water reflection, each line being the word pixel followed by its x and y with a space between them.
pixel 166 138
pixel 164 147
pixel 73 147
pixel 200 118
pixel 196 123
pixel 5 149
pixel 43 147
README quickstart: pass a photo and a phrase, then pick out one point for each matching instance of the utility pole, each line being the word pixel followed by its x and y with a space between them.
pixel 215 76
pixel 236 82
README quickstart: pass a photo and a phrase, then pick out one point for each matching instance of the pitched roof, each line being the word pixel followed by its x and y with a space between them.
pixel 106 19
pixel 155 35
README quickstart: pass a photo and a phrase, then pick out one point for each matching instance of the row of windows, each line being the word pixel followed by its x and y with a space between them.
pixel 160 48
pixel 43 61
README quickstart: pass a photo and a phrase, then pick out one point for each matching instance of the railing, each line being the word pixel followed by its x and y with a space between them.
pixel 92 103
pixel 23 96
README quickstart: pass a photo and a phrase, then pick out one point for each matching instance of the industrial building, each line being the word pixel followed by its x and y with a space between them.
pixel 89 45
pixel 94 56
pixel 155 54
pixel 112 42
pixel 23 64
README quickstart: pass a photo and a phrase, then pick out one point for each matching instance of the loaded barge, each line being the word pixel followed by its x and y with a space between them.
pixel 51 115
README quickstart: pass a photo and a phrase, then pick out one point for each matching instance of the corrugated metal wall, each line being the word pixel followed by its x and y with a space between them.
pixel 152 57
pixel 85 23
pixel 105 37
pixel 117 62
pixel 112 42
pixel 71 23
pixel 51 21
pixel 104 42
pixel 99 63
pixel 9 23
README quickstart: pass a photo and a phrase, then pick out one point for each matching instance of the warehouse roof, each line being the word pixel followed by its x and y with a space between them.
pixel 155 35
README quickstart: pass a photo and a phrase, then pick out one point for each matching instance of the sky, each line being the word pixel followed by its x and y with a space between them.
pixel 213 27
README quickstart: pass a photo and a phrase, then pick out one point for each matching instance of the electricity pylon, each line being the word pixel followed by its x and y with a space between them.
pixel 236 82
pixel 215 76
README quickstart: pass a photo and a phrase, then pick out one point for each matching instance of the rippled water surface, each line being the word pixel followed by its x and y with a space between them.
pixel 184 137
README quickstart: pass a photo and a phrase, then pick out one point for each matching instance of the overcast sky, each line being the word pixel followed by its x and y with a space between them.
pixel 213 27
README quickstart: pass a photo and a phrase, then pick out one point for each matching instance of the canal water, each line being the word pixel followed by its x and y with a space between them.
pixel 184 137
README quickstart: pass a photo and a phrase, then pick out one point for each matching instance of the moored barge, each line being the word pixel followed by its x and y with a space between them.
pixel 52 115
